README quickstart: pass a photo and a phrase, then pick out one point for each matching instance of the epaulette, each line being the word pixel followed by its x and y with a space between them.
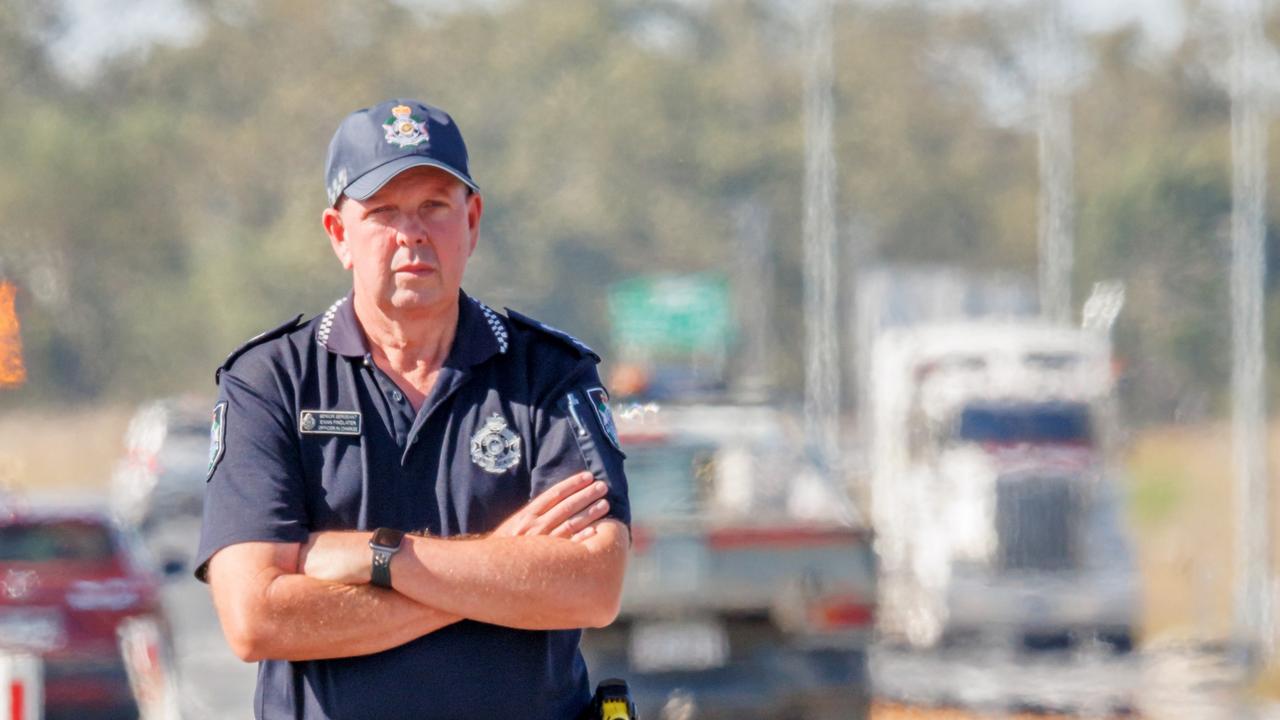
pixel 258 339
pixel 580 347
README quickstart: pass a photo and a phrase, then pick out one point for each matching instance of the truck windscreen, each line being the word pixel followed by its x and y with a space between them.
pixel 1026 423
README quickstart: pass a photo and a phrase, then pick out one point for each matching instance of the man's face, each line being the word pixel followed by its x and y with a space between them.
pixel 407 245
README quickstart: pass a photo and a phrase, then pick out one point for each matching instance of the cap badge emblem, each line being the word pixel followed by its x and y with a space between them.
pixel 403 129
pixel 494 447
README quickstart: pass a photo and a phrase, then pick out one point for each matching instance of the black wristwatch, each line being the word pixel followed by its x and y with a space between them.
pixel 385 543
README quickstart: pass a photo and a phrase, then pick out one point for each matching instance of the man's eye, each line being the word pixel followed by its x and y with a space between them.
pixel 381 210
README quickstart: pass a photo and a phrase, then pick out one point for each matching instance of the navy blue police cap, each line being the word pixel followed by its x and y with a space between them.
pixel 375 144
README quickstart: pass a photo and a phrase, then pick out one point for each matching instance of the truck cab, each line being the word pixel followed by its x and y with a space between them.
pixel 993 493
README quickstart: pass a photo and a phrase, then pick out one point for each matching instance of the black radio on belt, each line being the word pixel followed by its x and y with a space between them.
pixel 612 701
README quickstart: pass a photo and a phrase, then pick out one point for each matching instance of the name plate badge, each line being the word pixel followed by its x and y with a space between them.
pixel 329 422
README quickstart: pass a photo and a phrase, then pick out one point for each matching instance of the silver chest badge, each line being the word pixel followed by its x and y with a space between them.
pixel 494 447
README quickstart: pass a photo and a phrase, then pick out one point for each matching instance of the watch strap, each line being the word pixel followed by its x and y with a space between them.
pixel 385 543
pixel 380 572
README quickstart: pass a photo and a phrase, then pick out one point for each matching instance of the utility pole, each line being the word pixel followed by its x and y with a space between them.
pixel 1056 227
pixel 1253 596
pixel 753 288
pixel 822 372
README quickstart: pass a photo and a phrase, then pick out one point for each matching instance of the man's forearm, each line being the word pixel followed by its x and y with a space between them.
pixel 273 614
pixel 317 620
pixel 555 563
pixel 534 583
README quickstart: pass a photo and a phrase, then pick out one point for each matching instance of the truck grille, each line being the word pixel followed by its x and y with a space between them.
pixel 1037 521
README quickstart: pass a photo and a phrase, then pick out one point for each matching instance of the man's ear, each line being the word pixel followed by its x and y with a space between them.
pixel 334 228
pixel 475 208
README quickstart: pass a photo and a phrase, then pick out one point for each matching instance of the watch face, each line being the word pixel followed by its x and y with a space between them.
pixel 387 538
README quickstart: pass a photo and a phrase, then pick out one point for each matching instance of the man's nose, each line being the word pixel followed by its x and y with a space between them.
pixel 412 231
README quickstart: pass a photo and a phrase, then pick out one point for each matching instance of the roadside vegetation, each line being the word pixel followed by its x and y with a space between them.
pixel 163 207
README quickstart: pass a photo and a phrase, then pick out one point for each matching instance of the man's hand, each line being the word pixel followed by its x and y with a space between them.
pixel 568 509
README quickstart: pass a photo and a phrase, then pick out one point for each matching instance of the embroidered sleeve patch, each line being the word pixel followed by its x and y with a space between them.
pixel 217 435
pixel 600 403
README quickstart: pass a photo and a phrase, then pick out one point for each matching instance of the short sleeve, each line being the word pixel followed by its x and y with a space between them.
pixel 575 432
pixel 254 490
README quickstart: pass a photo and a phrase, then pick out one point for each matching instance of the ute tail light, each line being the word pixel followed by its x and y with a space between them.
pixel 845 612
pixel 836 617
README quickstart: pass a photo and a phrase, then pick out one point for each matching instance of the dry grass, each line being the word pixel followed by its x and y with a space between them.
pixel 60 450
pixel 1182 506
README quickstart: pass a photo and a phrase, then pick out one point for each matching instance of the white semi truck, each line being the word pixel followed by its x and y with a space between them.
pixel 992 496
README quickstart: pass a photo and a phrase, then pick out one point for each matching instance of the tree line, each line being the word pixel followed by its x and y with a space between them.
pixel 165 209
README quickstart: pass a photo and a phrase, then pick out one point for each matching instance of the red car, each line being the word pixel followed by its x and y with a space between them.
pixel 70 583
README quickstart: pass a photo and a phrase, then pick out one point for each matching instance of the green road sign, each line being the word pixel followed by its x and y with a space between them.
pixel 662 314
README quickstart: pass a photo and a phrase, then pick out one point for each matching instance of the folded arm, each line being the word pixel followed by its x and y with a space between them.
pixel 289 601
pixel 534 583
pixel 269 610
pixel 557 563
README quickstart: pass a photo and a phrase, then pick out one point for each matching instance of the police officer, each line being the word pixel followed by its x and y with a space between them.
pixel 414 502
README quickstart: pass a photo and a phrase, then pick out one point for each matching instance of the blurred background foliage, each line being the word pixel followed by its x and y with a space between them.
pixel 164 207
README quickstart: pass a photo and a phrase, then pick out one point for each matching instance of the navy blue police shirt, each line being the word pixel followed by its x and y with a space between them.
pixel 309 435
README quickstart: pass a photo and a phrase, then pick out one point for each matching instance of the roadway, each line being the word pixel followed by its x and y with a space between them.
pixel 1166 682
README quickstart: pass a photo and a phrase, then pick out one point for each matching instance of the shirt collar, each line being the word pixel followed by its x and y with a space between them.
pixel 481 332
pixel 340 331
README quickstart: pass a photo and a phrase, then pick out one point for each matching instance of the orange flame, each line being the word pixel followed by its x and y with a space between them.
pixel 12 372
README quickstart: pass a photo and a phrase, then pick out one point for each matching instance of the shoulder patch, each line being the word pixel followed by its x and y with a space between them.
pixel 258 339
pixel 580 347
pixel 599 398
pixel 217 438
